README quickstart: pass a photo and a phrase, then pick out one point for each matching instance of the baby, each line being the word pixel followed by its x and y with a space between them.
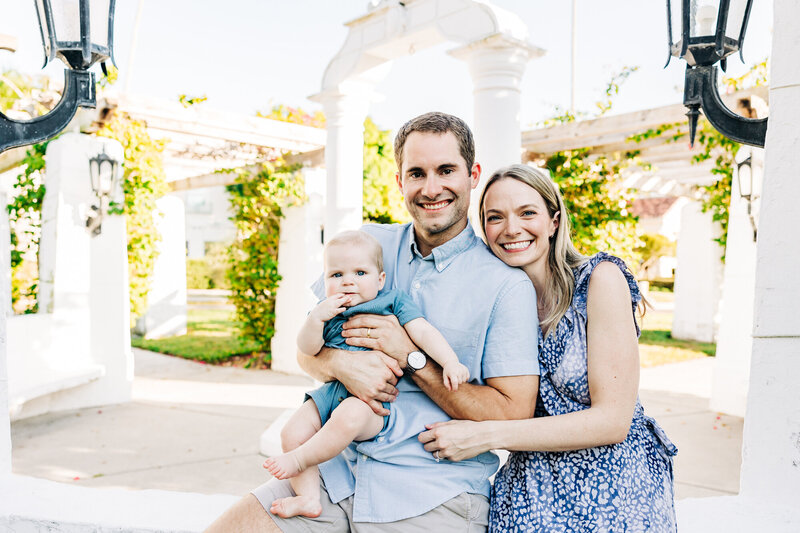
pixel 330 419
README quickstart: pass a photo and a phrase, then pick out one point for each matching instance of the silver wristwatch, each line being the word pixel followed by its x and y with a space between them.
pixel 416 361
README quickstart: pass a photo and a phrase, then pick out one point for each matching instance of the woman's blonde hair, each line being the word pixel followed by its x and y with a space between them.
pixel 562 257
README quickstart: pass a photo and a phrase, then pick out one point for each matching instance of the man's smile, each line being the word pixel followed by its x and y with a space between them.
pixel 435 206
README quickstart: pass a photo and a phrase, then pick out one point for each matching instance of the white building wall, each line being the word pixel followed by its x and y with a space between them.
pixel 207 219
pixel 698 276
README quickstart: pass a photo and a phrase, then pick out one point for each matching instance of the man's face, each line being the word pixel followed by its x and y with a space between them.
pixel 436 185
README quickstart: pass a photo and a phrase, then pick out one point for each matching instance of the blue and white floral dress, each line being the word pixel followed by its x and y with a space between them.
pixel 621 487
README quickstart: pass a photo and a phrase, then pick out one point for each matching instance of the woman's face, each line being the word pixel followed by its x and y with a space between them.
pixel 518 226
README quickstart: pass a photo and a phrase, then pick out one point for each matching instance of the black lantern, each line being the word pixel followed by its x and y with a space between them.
pixel 709 31
pixel 104 172
pixel 80 33
pixel 746 183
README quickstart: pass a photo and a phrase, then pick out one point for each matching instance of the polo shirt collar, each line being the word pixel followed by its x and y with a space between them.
pixel 443 255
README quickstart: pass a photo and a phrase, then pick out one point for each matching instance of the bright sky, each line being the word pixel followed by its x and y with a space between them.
pixel 247 55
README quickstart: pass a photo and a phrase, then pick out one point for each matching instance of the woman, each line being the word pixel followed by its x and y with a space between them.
pixel 589 460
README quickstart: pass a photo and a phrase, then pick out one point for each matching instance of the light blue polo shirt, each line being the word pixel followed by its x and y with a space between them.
pixel 487 312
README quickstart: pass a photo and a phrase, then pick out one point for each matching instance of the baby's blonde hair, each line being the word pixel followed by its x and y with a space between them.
pixel 359 238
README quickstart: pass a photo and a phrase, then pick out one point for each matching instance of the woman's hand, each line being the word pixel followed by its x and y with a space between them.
pixel 456 440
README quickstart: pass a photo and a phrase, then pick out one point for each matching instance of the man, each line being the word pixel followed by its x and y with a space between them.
pixel 485 310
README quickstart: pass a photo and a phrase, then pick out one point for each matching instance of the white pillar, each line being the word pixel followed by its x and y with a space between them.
pixel 84 279
pixel 735 339
pixel 109 304
pixel 166 299
pixel 771 440
pixel 698 276
pixel 344 157
pixel 64 248
pixel 5 422
pixel 496 64
pixel 5 257
pixel 299 264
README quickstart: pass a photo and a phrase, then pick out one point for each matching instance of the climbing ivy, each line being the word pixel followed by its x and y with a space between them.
pixel 258 200
pixel 144 182
pixel 25 222
pixel 591 184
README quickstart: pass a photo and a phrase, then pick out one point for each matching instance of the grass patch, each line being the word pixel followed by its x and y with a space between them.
pixel 211 337
pixel 662 337
pixel 651 355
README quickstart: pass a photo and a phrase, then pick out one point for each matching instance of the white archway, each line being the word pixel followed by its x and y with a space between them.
pixel 494 44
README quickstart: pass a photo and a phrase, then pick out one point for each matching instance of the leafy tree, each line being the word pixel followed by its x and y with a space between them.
pixel 654 246
pixel 383 201
pixel 591 184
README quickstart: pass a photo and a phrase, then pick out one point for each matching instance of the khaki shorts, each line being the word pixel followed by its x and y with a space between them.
pixel 466 513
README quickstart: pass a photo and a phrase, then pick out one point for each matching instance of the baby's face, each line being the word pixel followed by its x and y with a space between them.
pixel 351 270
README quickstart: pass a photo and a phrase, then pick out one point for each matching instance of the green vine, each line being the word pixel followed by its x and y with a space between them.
pixel 144 183
pixel 25 222
pixel 258 201
pixel 591 184
pixel 715 197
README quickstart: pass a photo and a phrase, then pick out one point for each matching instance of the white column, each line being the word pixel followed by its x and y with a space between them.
pixel 698 276
pixel 5 422
pixel 166 299
pixel 64 248
pixel 109 305
pixel 496 64
pixel 84 279
pixel 5 256
pixel 299 264
pixel 344 157
pixel 771 447
pixel 735 339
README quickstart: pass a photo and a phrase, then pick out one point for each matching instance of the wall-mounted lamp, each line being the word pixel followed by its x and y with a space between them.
pixel 710 31
pixel 104 172
pixel 80 33
pixel 747 186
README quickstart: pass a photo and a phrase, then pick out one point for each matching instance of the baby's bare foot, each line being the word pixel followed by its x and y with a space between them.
pixel 296 506
pixel 284 466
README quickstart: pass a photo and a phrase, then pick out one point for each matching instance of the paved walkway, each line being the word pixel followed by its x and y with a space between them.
pixel 194 427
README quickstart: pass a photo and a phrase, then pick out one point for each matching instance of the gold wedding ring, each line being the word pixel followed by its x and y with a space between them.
pixel 368 332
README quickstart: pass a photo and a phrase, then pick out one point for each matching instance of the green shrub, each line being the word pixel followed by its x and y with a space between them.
pixel 210 271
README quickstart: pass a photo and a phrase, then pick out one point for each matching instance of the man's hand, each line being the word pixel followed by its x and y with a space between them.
pixel 379 332
pixel 371 377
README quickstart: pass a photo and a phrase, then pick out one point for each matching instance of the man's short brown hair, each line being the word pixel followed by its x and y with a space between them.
pixel 441 123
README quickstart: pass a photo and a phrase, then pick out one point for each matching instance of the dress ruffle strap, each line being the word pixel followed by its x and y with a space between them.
pixel 584 272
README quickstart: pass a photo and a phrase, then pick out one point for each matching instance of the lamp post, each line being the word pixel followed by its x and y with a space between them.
pixel 104 172
pixel 80 33
pixel 710 31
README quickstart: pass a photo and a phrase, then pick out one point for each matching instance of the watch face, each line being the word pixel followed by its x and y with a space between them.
pixel 416 360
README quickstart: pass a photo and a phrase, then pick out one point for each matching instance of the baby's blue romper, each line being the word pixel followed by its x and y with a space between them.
pixel 394 302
